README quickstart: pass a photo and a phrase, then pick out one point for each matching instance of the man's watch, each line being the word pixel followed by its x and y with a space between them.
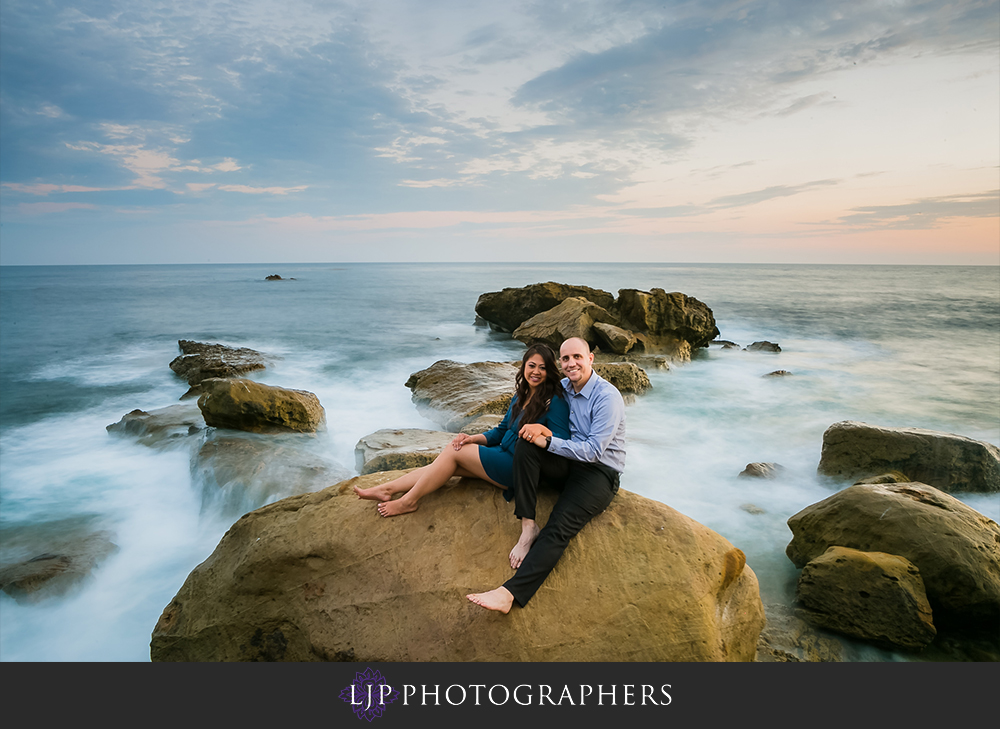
pixel 548 441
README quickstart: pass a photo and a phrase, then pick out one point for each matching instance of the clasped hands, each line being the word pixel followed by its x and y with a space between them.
pixel 531 431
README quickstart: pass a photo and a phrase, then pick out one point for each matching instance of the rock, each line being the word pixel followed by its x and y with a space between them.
pixel 730 345
pixel 626 376
pixel 395 450
pixel 573 317
pixel 161 427
pixel 614 339
pixel 506 310
pixel 723 342
pixel 762 347
pixel 273 277
pixel 241 472
pixel 665 318
pixel 873 596
pixel 256 408
pixel 42 561
pixel 454 394
pixel 956 549
pixel 890 477
pixel 762 470
pixel 853 450
pixel 644 361
pixel 201 361
pixel 482 424
pixel 789 639
pixel 779 373
pixel 322 577
pixel 752 509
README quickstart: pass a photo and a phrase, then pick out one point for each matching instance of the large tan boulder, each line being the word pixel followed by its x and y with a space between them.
pixel 162 427
pixel 956 549
pixel 613 339
pixel 853 450
pixel 628 377
pixel 256 408
pixel 323 577
pixel 574 317
pixel 399 449
pixel 667 317
pixel 506 310
pixel 454 394
pixel 873 596
pixel 200 361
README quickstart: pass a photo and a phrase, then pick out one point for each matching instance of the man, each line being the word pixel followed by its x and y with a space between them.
pixel 588 466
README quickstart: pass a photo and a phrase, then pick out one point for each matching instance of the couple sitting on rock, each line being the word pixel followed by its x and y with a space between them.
pixel 569 432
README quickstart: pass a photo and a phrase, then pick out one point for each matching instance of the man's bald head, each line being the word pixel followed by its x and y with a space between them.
pixel 576 361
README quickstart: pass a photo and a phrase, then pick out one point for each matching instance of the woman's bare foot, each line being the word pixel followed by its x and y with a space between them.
pixel 499 599
pixel 529 533
pixel 397 507
pixel 382 492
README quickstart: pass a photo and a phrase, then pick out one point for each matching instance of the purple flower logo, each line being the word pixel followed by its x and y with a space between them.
pixel 369 694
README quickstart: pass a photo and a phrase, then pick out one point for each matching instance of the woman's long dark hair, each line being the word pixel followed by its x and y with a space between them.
pixel 549 388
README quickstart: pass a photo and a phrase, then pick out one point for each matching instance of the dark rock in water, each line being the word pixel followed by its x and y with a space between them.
pixel 956 549
pixel 779 373
pixel 789 639
pixel 723 342
pixel 752 509
pixel 397 450
pixel 573 317
pixel 872 596
pixel 730 345
pixel 762 347
pixel 201 361
pixel 161 427
pixel 322 577
pixel 664 318
pixel 453 394
pixel 506 310
pixel 762 470
pixel 241 472
pixel 273 277
pixel 943 460
pixel 256 408
pixel 42 561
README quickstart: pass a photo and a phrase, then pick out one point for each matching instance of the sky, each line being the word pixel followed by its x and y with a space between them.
pixel 731 131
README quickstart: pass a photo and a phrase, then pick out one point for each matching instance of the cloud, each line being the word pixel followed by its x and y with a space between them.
pixel 925 213
pixel 768 193
pixel 262 190
pixel 41 188
pixel 42 208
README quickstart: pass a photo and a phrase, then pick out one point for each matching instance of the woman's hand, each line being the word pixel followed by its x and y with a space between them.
pixel 535 433
pixel 461 439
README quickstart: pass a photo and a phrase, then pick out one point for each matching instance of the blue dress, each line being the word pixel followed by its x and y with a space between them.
pixel 497 456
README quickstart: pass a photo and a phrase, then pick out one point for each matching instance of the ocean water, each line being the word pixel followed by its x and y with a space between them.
pixel 80 346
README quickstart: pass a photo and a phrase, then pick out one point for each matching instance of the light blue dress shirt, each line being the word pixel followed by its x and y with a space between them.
pixel 596 424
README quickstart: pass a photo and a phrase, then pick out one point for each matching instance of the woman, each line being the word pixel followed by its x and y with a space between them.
pixel 488 456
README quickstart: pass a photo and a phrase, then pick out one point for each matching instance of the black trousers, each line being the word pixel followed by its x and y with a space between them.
pixel 586 489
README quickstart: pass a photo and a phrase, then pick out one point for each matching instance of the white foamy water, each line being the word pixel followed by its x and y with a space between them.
pixel 81 346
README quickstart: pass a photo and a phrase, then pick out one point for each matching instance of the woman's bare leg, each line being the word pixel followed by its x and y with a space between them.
pixel 464 462
pixel 385 491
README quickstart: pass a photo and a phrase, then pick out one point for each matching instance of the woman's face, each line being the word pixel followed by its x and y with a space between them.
pixel 534 371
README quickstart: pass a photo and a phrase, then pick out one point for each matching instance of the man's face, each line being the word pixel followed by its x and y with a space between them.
pixel 576 361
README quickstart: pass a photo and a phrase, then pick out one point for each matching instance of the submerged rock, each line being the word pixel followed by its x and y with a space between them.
pixel 241 472
pixel 943 460
pixel 201 361
pixel 506 310
pixel 48 560
pixel 762 347
pixel 323 577
pixel 762 470
pixel 395 450
pixel 453 394
pixel 789 639
pixel 873 596
pixel 256 408
pixel 161 427
pixel 956 549
pixel 779 373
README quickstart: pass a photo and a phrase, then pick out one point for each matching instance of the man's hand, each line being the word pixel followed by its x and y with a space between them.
pixel 535 433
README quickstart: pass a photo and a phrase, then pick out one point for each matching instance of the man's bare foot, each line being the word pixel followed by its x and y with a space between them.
pixel 499 599
pixel 397 507
pixel 529 533
pixel 382 492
